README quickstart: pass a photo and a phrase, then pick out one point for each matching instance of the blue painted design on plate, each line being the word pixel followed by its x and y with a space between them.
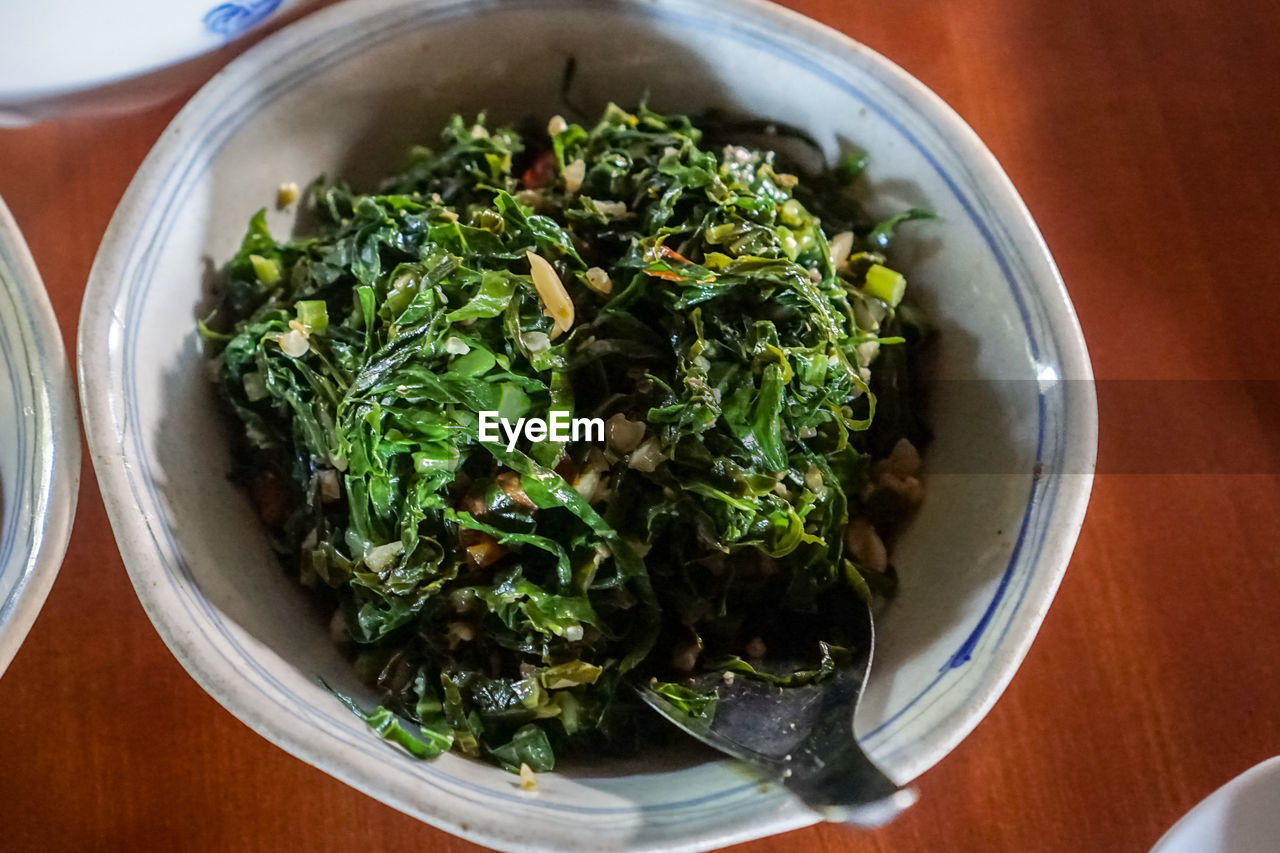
pixel 230 20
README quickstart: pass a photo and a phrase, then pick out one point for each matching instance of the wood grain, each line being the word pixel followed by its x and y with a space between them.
pixel 1142 136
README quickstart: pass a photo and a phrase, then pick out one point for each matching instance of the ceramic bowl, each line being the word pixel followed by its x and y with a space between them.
pixel 345 91
pixel 39 442
pixel 1239 817
pixel 59 57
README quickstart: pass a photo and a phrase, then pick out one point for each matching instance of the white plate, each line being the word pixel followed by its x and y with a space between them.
pixel 1243 816
pixel 71 56
pixel 39 442
pixel 345 91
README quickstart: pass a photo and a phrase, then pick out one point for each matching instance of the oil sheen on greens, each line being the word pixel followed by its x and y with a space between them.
pixel 501 599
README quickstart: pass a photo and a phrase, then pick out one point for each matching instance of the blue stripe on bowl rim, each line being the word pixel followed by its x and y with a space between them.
pixel 338 45
pixel 26 449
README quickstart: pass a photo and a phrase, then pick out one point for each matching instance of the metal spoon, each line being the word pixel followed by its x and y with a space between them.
pixel 801 737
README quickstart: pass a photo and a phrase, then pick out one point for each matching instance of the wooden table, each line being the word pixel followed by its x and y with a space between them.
pixel 1143 136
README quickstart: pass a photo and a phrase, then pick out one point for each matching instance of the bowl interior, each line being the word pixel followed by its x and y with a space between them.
pixel 346 92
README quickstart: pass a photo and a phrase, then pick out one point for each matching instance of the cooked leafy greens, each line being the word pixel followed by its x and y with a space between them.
pixel 720 313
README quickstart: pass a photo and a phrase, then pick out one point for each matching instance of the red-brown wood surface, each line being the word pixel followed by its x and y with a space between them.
pixel 1143 136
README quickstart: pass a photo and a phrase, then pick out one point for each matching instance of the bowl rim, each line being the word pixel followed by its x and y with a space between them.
pixel 50 489
pixel 106 433
pixel 33 103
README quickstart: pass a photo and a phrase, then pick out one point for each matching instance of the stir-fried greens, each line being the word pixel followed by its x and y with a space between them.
pixel 722 317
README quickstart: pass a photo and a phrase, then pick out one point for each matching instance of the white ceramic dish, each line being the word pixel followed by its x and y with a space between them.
pixel 345 91
pixel 39 442
pixel 1240 817
pixel 69 56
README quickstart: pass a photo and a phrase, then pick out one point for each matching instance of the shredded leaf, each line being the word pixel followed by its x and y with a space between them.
pixel 695 704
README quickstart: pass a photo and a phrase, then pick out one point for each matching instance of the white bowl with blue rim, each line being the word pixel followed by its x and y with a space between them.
pixel 345 91
pixel 39 442
pixel 60 57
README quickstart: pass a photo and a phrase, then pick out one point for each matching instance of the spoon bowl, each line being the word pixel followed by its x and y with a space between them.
pixel 800 736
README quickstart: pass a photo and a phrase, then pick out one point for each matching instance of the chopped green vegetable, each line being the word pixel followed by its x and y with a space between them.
pixel 528 746
pixel 851 166
pixel 267 270
pixel 499 592
pixel 691 702
pixel 885 284
pixel 313 314
pixel 831 657
pixel 878 238
pixel 431 742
